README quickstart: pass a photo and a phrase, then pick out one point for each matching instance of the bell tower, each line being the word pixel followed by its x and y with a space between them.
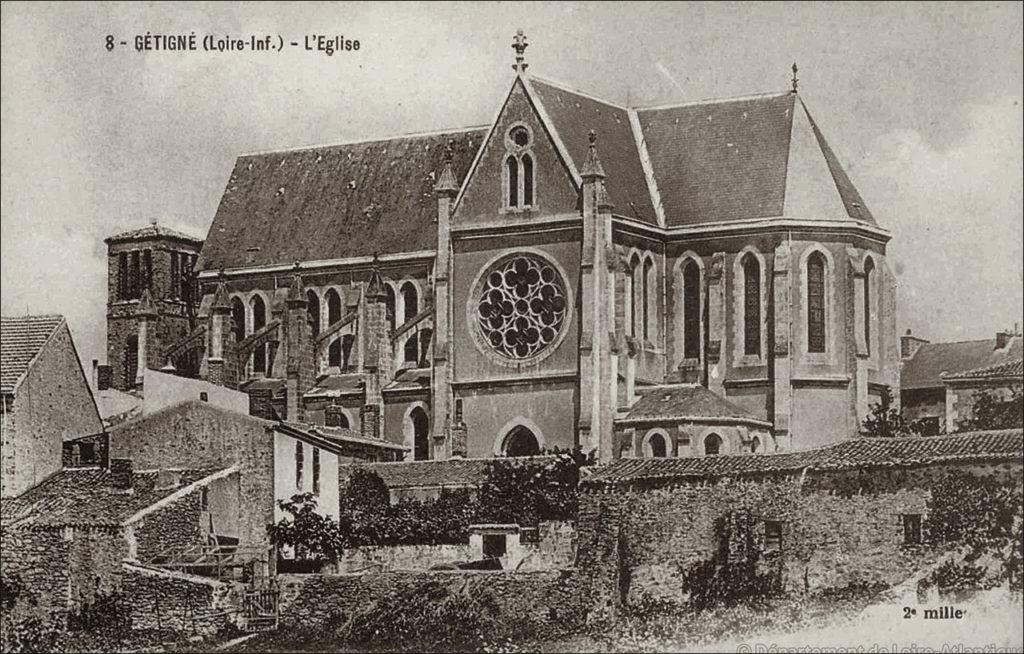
pixel 151 300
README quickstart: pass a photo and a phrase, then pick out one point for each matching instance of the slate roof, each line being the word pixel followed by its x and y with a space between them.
pixel 931 360
pixel 1009 369
pixel 689 401
pixel 84 497
pixel 857 453
pixel 150 232
pixel 720 161
pixel 430 474
pixel 574 115
pixel 333 202
pixel 410 379
pixel 349 383
pixel 21 340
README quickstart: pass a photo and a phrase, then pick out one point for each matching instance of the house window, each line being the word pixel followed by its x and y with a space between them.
pixel 494 546
pixel 911 528
pixel 298 464
pixel 751 305
pixel 316 470
pixel 772 536
pixel 204 396
pixel 691 310
pixel 816 303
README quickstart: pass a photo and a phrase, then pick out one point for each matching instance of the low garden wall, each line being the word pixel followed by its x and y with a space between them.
pixel 401 557
pixel 174 601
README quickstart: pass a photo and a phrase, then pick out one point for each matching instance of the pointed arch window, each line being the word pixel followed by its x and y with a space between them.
pixel 333 315
pixel 869 268
pixel 410 301
pixel 816 302
pixel 512 168
pixel 751 305
pixel 635 293
pixel 691 310
pixel 259 321
pixel 519 168
pixel 389 303
pixel 238 319
pixel 648 296
pixel 313 313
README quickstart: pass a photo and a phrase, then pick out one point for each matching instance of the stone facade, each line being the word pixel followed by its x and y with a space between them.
pixel 836 528
pixel 51 403
pixel 174 601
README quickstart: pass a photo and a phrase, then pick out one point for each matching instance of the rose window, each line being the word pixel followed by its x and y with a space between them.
pixel 522 306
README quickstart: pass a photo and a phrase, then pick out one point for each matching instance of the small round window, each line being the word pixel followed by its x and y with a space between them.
pixel 521 306
pixel 520 136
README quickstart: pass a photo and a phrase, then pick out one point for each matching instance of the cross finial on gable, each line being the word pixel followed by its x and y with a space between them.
pixel 795 78
pixel 519 45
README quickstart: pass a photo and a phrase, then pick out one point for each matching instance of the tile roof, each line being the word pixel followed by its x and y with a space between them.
pixel 689 401
pixel 932 360
pixel 333 202
pixel 856 453
pixel 450 472
pixel 1013 368
pixel 84 497
pixel 335 438
pixel 152 231
pixel 21 340
pixel 574 115
pixel 728 160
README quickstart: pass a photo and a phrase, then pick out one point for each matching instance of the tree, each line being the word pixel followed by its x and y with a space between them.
pixel 992 412
pixel 311 534
pixel 885 419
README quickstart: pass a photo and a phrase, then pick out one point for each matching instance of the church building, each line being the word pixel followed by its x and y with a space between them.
pixel 685 280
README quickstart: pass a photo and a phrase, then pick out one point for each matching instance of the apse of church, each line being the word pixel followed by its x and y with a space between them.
pixel 688 280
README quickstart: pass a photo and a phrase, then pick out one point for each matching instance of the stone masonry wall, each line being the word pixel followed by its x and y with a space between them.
pixel 174 601
pixel 402 557
pixel 837 529
pixel 62 569
pixel 175 525
pixel 552 596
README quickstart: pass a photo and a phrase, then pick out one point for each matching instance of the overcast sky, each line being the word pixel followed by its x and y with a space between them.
pixel 922 102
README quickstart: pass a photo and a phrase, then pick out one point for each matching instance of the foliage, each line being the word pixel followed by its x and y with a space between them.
pixel 445 520
pixel 526 492
pixel 982 515
pixel 311 534
pixel 31 633
pixel 992 412
pixel 11 588
pixel 732 574
pixel 433 616
pixel 885 419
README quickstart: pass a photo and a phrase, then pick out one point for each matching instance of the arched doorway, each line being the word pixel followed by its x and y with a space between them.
pixel 712 445
pixel 520 441
pixel 420 434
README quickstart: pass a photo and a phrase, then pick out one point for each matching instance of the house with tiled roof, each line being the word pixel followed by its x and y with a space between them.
pixel 69 538
pixel 536 282
pixel 1002 382
pixel 937 378
pixel 46 399
pixel 861 511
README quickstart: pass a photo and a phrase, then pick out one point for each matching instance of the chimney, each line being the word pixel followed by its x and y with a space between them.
pixel 909 344
pixel 1003 339
pixel 121 473
pixel 104 375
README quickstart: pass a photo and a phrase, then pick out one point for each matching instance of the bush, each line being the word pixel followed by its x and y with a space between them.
pixel 311 534
pixel 992 412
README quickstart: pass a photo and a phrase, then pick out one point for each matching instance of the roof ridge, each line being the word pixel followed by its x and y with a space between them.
pixel 738 98
pixel 382 139
pixel 562 86
pixel 35 316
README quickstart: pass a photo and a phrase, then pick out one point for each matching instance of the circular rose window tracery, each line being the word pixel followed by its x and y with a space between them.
pixel 521 307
